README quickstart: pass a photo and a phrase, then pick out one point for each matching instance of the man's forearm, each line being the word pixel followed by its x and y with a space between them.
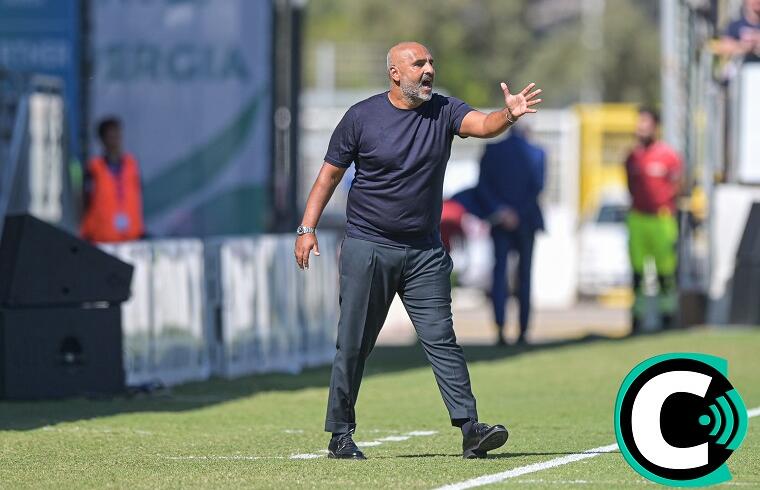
pixel 497 122
pixel 320 194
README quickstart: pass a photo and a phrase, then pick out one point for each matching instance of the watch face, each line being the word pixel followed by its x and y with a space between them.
pixel 300 230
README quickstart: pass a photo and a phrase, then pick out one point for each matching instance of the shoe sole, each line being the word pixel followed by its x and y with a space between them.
pixel 331 455
pixel 494 440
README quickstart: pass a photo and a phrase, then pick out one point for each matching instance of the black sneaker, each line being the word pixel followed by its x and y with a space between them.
pixel 482 438
pixel 344 447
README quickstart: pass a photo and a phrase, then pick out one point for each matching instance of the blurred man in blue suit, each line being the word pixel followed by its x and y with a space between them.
pixel 511 179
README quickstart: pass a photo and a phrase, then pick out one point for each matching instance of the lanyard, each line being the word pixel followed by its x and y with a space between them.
pixel 121 220
pixel 117 172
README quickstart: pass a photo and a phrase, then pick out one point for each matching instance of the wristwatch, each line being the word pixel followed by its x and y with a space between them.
pixel 302 230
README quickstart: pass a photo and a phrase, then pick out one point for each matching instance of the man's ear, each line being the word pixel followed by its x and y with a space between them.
pixel 394 74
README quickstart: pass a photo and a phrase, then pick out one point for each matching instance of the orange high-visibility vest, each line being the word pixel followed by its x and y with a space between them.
pixel 114 213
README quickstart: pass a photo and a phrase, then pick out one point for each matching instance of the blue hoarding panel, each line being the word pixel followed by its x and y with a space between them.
pixel 42 36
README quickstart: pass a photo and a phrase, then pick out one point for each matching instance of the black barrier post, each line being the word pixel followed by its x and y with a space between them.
pixel 287 72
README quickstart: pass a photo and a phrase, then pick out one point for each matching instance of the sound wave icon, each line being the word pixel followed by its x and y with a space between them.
pixel 722 417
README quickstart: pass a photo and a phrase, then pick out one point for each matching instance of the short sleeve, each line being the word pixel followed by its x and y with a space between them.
pixel 733 30
pixel 343 150
pixel 458 110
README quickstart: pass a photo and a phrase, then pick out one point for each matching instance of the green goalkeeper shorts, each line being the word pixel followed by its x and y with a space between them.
pixel 652 235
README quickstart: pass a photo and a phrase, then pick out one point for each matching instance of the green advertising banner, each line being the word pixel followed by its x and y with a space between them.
pixel 192 82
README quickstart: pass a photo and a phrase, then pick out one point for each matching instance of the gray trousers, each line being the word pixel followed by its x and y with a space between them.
pixel 370 275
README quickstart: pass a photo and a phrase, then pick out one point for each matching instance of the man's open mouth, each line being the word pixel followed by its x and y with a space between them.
pixel 427 83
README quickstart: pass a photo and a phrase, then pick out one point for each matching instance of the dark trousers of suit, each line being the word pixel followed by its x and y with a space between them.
pixel 370 275
pixel 521 241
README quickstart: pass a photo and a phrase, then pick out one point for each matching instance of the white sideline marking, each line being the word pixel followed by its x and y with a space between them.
pixel 224 458
pixel 318 454
pixel 422 433
pixel 368 444
pixel 393 439
pixel 552 463
pixel 416 433
pixel 306 456
pixel 531 468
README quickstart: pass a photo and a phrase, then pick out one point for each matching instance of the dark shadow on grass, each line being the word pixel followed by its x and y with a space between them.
pixel 384 360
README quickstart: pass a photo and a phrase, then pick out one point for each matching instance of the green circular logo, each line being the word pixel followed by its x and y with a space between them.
pixel 678 419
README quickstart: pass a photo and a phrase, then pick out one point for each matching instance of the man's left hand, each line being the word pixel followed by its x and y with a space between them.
pixel 506 218
pixel 520 103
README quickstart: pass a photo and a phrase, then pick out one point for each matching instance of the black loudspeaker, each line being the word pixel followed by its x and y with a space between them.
pixel 745 294
pixel 60 352
pixel 41 265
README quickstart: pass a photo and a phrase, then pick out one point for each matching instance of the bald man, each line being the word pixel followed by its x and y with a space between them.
pixel 400 142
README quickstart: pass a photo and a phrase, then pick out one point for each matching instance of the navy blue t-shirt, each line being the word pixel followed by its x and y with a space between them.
pixel 400 157
pixel 737 28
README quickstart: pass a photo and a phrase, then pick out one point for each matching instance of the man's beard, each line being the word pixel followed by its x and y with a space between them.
pixel 413 91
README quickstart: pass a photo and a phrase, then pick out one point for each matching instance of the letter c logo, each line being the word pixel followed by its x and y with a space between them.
pixel 678 419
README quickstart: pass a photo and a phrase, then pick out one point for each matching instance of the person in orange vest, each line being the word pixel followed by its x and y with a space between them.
pixel 112 191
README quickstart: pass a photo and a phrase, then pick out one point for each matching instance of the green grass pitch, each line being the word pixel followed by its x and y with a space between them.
pixel 555 399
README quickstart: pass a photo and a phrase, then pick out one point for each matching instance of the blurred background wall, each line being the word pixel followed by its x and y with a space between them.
pixel 228 105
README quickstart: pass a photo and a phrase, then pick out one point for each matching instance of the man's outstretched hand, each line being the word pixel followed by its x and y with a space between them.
pixel 481 125
pixel 520 104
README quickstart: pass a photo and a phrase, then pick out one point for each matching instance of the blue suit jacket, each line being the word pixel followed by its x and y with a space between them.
pixel 511 174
